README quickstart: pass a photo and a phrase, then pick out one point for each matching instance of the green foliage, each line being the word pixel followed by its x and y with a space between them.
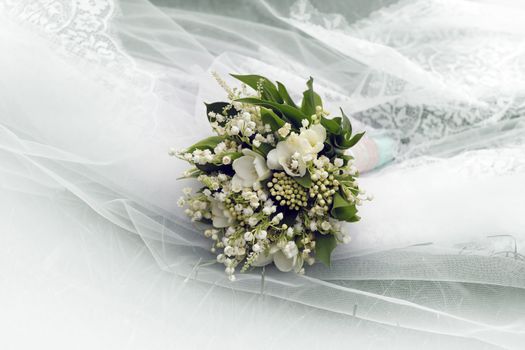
pixel 342 209
pixel 324 245
pixel 284 94
pixel 269 117
pixel 208 143
pixel 340 133
pixel 347 126
pixel 305 181
pixel 333 126
pixel 346 140
pixel 269 91
pixel 233 155
pixel 278 108
pixel 289 113
pixel 310 99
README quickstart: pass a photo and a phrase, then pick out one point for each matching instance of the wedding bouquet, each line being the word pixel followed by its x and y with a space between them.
pixel 277 178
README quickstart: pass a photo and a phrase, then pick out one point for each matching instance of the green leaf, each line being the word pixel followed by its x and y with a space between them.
pixel 305 181
pixel 233 155
pixel 291 114
pixel 269 91
pixel 347 126
pixel 284 94
pixel 264 149
pixel 310 99
pixel 354 218
pixel 208 143
pixel 342 209
pixel 355 139
pixel 324 245
pixel 269 117
pixel 346 141
pixel 333 126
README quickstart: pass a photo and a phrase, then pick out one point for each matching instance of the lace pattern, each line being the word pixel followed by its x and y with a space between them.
pixel 419 124
pixel 452 49
pixel 79 28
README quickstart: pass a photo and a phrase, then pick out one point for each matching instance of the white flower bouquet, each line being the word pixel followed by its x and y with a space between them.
pixel 277 179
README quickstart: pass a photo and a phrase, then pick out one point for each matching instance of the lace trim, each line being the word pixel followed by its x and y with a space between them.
pixel 455 52
pixel 423 123
pixel 80 28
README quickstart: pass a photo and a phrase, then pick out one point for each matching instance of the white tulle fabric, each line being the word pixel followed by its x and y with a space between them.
pixel 94 93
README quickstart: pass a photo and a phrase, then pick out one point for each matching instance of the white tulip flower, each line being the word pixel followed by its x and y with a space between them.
pixel 285 259
pixel 292 154
pixel 249 169
pixel 220 215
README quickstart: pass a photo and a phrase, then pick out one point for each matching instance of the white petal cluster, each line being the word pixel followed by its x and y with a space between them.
pixel 221 216
pixel 285 256
pixel 221 154
pixel 249 169
pixel 293 153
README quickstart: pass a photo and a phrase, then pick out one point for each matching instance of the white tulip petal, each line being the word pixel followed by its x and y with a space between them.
pixel 272 160
pixel 249 152
pixel 220 222
pixel 237 182
pixel 298 265
pixel 249 170
pixel 243 167
pixel 219 218
pixel 282 262
pixel 320 131
pixel 249 182
pixel 260 167
pixel 274 249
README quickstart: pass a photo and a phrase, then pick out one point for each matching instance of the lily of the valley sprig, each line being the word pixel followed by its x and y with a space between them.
pixel 277 178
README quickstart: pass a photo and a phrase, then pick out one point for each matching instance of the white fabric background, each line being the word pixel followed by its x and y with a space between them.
pixel 97 289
